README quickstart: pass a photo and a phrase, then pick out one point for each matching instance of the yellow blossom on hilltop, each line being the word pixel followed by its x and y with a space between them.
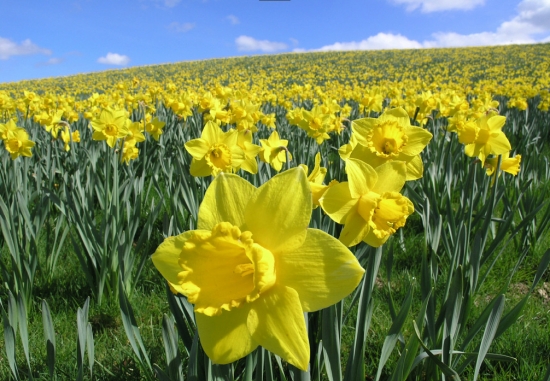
pixel 274 151
pixel 110 126
pixel 316 178
pixel 508 164
pixel 154 128
pixel 369 204
pixel 254 267
pixel 215 151
pixel 18 143
pixel 484 137
pixel 66 136
pixel 390 137
pixel 7 128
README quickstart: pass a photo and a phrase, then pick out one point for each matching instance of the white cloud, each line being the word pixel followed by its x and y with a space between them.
pixel 427 6
pixel 246 43
pixel 532 20
pixel 379 42
pixel 181 28
pixel 114 59
pixel 9 48
pixel 233 19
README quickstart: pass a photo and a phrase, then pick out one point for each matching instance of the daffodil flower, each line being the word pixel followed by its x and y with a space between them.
pixel 369 203
pixel 110 126
pixel 389 137
pixel 274 151
pixel 508 164
pixel 484 137
pixel 316 178
pixel 254 267
pixel 18 143
pixel 215 151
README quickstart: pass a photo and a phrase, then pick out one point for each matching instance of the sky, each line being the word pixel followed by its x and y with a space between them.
pixel 52 38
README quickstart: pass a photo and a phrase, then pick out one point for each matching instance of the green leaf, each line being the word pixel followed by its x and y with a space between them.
pixel 489 334
pixel 49 335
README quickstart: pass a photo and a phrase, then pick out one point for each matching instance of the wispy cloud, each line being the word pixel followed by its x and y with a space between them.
pixel 530 25
pixel 167 3
pixel 248 44
pixel 181 28
pixel 234 20
pixel 52 61
pixel 114 59
pixel 8 48
pixel 427 6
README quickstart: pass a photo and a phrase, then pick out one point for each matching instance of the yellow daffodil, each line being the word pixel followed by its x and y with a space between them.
pixel 7 128
pixel 18 143
pixel 215 151
pixel 254 267
pixel 250 150
pixel 484 137
pixel 129 151
pixel 135 134
pixel 316 178
pixel 369 203
pixel 274 151
pixel 155 127
pixel 66 136
pixel 508 164
pixel 110 126
pixel 387 138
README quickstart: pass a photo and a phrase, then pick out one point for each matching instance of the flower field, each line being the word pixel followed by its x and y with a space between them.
pixel 379 215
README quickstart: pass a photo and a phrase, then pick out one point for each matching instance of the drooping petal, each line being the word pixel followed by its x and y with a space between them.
pixel 225 201
pixel 499 143
pixel 355 228
pixel 418 140
pixel 391 177
pixel 197 148
pixel 361 177
pixel 337 202
pixel 496 122
pixel 279 209
pixel 225 338
pixel 332 270
pixel 276 322
pixel 166 259
pixel 200 168
pixel 415 168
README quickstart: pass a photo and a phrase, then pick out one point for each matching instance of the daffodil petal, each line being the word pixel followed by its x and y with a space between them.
pixel 225 338
pixel 279 209
pixel 391 177
pixel 500 143
pixel 361 177
pixel 418 139
pixel 332 271
pixel 354 229
pixel 212 133
pixel 225 201
pixel 197 148
pixel 415 168
pixel 166 258
pixel 496 122
pixel 372 240
pixel 276 322
pixel 200 168
pixel 337 202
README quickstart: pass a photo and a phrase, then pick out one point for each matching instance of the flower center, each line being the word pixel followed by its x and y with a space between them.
pixel 219 158
pixel 390 214
pixel 223 268
pixel 111 129
pixel 14 145
pixel 387 139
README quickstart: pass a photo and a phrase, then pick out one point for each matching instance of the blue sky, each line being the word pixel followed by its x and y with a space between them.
pixel 54 38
